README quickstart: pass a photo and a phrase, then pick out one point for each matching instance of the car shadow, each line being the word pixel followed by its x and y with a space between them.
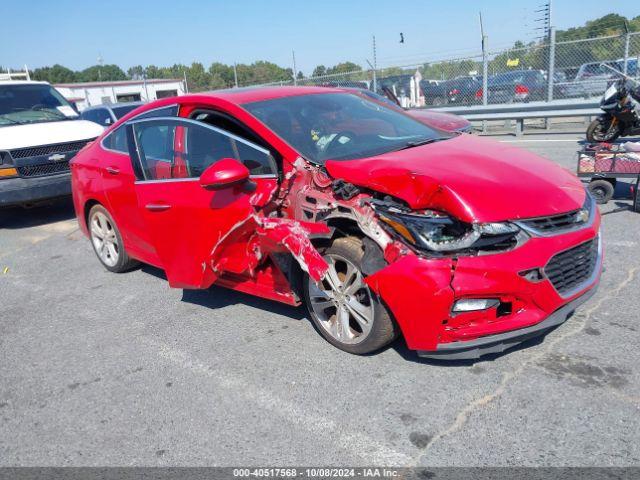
pixel 412 356
pixel 219 297
pixel 42 214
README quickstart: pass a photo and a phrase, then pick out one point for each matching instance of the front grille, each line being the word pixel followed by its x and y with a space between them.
pixel 43 169
pixel 553 223
pixel 48 149
pixel 571 268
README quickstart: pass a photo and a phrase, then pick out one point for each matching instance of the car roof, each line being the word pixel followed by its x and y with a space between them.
pixel 113 105
pixel 234 96
pixel 240 96
pixel 23 82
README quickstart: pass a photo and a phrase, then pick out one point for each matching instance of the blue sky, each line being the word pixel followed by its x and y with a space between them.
pixel 163 32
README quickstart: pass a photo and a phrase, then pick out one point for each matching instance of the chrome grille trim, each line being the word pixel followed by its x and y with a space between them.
pixel 552 225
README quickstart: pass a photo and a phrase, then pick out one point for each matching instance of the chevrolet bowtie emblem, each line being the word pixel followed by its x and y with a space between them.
pixel 57 157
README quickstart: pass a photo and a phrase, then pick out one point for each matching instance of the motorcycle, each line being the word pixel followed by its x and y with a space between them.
pixel 620 117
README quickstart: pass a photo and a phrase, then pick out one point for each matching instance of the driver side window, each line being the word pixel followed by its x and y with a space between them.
pixel 171 148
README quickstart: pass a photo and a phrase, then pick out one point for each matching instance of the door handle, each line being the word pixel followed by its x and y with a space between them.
pixel 157 207
pixel 113 170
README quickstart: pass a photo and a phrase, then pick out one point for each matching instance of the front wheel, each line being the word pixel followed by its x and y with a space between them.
pixel 603 130
pixel 342 307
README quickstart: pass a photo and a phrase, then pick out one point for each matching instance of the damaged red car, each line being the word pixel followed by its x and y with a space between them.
pixel 382 225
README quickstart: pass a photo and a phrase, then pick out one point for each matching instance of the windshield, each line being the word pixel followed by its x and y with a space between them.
pixel 32 103
pixel 120 112
pixel 336 126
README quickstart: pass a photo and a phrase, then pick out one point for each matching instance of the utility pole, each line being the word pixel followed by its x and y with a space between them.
pixel 186 85
pixel 295 80
pixel 100 62
pixel 552 51
pixel 235 74
pixel 485 64
pixel 375 66
pixel 485 70
pixel 627 39
pixel 146 91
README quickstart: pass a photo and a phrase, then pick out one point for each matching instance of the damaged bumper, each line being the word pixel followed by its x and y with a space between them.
pixel 422 292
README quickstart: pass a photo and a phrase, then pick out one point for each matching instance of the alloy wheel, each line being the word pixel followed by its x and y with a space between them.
pixel 104 239
pixel 342 302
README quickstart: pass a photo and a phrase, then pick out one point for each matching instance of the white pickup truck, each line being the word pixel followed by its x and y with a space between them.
pixel 39 133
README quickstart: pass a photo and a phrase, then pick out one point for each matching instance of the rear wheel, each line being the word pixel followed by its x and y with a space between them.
pixel 342 307
pixel 107 241
pixel 602 190
pixel 603 130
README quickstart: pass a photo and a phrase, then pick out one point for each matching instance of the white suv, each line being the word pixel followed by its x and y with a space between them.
pixel 39 133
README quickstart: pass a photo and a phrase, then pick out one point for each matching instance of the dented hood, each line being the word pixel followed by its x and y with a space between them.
pixel 472 178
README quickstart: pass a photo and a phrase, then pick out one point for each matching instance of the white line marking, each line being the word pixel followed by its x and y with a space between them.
pixel 547 140
pixel 622 243
pixel 375 452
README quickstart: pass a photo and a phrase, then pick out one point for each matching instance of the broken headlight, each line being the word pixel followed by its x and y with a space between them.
pixel 443 233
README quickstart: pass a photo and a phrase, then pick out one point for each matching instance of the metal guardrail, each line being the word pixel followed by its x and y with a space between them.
pixel 522 111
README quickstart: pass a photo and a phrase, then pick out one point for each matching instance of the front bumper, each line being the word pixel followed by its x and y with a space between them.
pixel 20 191
pixel 420 293
pixel 473 349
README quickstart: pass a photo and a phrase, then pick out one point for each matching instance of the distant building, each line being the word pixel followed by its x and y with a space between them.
pixel 88 94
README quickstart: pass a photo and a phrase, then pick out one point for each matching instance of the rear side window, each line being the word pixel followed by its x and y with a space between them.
pixel 117 140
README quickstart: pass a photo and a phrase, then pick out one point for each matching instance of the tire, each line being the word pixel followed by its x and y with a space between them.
pixel 597 133
pixel 602 191
pixel 324 302
pixel 107 241
pixel 636 197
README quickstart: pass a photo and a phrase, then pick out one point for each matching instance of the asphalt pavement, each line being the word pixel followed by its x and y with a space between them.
pixel 102 369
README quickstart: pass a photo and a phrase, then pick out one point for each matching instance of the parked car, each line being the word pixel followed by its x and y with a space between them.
pixel 108 114
pixel 434 92
pixel 462 90
pixel 382 225
pixel 515 86
pixel 400 86
pixel 593 78
pixel 442 120
pixel 39 134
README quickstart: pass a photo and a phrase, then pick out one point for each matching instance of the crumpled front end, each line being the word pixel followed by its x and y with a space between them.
pixel 468 306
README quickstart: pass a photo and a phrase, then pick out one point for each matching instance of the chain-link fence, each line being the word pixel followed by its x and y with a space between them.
pixel 552 70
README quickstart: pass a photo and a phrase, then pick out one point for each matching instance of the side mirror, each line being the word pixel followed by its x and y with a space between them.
pixel 224 173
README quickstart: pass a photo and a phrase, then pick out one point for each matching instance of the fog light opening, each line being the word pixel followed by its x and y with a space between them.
pixel 533 275
pixel 474 304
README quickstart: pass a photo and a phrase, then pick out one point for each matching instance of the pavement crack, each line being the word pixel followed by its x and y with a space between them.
pixel 465 413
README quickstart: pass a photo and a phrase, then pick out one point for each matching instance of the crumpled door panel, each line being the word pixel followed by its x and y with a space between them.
pixel 245 246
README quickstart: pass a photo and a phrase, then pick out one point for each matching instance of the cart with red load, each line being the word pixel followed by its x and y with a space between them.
pixel 603 164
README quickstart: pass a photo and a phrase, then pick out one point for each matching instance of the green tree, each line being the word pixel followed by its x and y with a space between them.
pixel 221 75
pixel 104 73
pixel 198 78
pixel 319 71
pixel 55 74
pixel 135 72
pixel 344 67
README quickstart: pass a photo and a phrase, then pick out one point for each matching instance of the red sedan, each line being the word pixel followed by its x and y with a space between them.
pixel 382 225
